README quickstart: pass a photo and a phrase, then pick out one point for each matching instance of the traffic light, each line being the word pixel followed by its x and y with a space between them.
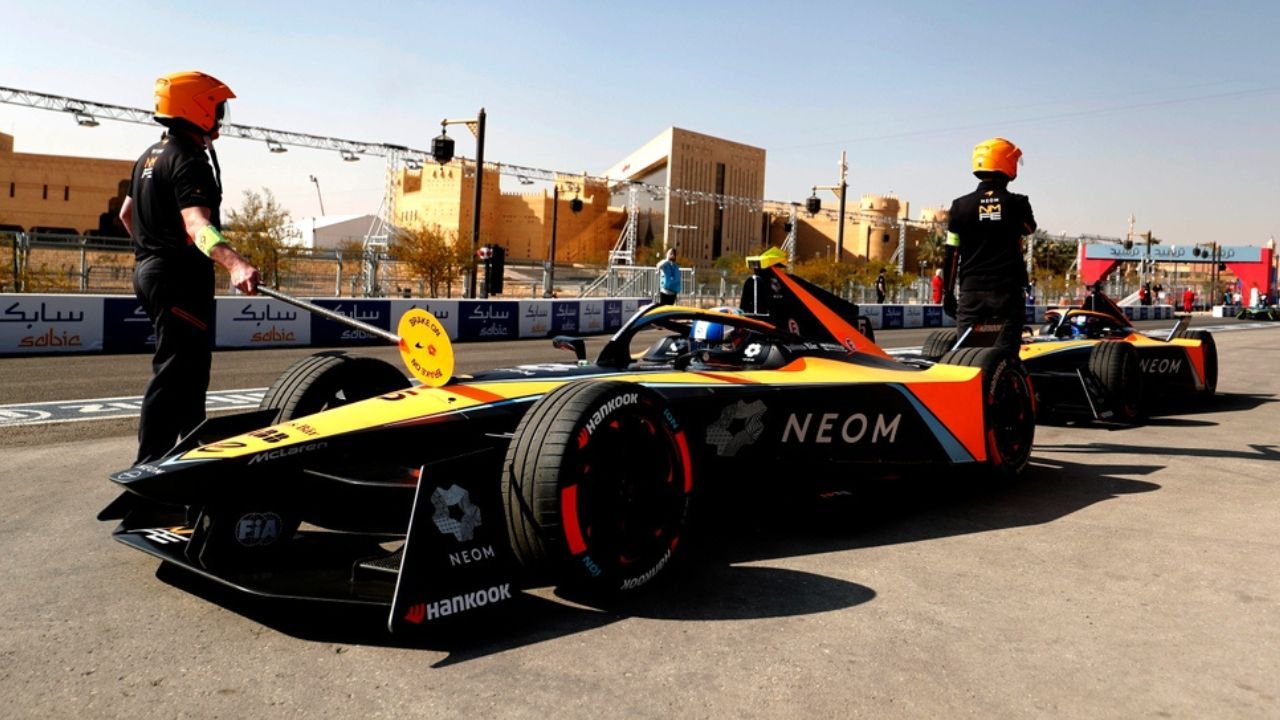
pixel 495 260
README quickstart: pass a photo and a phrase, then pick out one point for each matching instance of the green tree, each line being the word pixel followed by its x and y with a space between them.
pixel 825 272
pixel 433 255
pixel 260 231
pixel 931 247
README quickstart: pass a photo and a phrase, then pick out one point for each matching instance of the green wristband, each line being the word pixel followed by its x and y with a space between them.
pixel 207 238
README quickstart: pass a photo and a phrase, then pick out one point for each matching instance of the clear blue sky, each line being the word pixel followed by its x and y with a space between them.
pixel 1167 110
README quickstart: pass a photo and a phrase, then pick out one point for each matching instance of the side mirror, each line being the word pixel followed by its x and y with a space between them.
pixel 577 345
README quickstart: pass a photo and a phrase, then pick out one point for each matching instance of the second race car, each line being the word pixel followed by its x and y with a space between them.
pixel 1090 361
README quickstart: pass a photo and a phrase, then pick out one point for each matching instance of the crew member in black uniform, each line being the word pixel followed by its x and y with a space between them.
pixel 984 249
pixel 172 213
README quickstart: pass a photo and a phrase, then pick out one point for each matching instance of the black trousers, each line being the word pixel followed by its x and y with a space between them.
pixel 666 298
pixel 178 297
pixel 994 306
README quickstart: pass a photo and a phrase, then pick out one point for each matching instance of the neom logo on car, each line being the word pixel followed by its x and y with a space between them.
pixel 1160 365
pixel 852 430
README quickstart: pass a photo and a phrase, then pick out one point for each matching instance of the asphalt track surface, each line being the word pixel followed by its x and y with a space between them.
pixel 1133 572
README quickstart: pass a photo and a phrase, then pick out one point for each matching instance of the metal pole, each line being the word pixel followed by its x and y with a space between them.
pixel 475 220
pixel 316 180
pixel 843 191
pixel 329 314
pixel 551 254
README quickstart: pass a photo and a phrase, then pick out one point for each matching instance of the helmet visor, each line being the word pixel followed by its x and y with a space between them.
pixel 221 113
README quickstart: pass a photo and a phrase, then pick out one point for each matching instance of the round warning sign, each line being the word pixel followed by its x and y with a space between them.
pixel 425 347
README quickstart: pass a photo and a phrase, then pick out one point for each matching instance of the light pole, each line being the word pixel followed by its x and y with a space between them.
pixel 813 205
pixel 575 206
pixel 442 152
pixel 319 197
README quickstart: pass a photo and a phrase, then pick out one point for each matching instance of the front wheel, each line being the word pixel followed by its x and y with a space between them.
pixel 596 486
pixel 1114 365
pixel 939 343
pixel 1008 407
pixel 327 380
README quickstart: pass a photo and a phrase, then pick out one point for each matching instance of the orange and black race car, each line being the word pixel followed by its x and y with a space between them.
pixel 1089 361
pixel 349 485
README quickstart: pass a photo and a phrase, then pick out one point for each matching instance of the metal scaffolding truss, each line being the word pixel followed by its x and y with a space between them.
pixel 88 113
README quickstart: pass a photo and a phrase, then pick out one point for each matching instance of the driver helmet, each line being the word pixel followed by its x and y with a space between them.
pixel 192 99
pixel 1084 325
pixel 707 333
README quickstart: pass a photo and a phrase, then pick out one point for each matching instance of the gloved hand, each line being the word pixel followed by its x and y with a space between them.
pixel 949 304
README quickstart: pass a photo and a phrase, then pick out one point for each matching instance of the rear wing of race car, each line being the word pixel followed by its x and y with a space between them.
pixel 1176 331
pixel 802 308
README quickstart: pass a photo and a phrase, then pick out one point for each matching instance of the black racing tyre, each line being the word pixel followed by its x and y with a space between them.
pixel 327 380
pixel 596 486
pixel 1210 358
pixel 1114 365
pixel 939 343
pixel 1008 407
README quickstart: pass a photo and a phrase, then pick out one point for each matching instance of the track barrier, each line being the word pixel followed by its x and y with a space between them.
pixel 34 324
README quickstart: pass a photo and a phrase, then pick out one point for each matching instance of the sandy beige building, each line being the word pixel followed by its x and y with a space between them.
pixel 699 227
pixel 869 238
pixel 700 230
pixel 59 191
pixel 441 195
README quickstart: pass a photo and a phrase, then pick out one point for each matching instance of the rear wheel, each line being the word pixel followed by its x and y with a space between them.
pixel 596 486
pixel 1115 366
pixel 1210 358
pixel 939 343
pixel 327 380
pixel 1008 407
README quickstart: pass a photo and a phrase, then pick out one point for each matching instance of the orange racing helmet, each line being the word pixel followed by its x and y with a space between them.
pixel 191 97
pixel 997 155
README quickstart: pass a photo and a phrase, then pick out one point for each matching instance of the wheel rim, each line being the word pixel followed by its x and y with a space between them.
pixel 1012 424
pixel 628 500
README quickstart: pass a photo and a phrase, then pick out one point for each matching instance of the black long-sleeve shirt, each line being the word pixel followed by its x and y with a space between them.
pixel 987 227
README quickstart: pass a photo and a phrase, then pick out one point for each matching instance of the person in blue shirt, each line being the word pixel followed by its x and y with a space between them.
pixel 668 279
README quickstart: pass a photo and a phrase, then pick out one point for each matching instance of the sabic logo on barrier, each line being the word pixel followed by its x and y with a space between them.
pixel 274 334
pixel 50 339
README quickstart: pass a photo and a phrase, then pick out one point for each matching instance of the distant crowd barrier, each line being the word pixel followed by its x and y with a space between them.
pixel 889 317
pixel 37 324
